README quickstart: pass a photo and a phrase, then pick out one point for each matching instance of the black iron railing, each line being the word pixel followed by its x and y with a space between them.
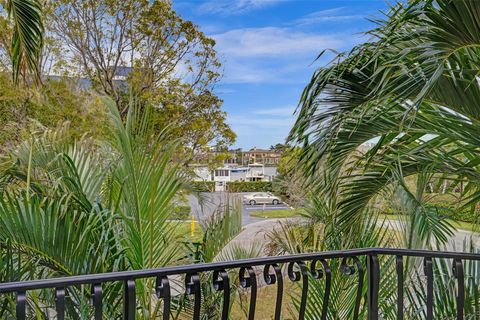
pixel 361 263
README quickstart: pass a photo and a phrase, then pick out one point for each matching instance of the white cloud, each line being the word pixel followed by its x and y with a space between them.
pixel 273 54
pixel 272 41
pixel 279 112
pixel 328 15
pixel 233 7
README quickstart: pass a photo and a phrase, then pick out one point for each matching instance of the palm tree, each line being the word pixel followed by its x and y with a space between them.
pixel 27 37
pixel 412 91
pixel 88 206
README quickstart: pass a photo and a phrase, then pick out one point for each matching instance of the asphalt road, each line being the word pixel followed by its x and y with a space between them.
pixel 210 202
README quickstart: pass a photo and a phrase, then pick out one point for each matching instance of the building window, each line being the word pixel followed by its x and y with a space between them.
pixel 221 173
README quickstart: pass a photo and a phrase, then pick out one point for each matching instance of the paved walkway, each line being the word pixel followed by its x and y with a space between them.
pixel 455 243
pixel 255 234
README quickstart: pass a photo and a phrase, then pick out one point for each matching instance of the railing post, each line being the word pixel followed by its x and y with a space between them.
pixel 129 300
pixel 373 286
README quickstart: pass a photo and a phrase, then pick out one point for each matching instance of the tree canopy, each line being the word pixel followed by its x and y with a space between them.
pixel 135 48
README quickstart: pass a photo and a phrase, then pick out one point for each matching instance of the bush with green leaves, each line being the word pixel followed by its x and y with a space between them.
pixel 249 186
pixel 203 186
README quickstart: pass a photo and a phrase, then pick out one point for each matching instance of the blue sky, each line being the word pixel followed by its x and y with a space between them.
pixel 268 48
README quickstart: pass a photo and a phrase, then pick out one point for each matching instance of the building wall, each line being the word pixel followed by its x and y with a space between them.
pixel 202 173
pixel 266 173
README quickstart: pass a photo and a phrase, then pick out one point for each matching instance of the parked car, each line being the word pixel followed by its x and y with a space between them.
pixel 261 198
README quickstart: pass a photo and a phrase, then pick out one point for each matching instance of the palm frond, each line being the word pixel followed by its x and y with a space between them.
pixel 27 39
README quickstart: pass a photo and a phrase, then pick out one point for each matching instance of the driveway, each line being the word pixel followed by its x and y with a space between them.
pixel 210 202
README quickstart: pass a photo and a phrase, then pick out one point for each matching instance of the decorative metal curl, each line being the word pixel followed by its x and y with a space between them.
pixel 192 286
pixel 347 269
pixel 296 276
pixel 318 273
pixel 162 289
pixel 271 278
pixel 350 270
pixel 162 286
pixel 249 281
pixel 222 284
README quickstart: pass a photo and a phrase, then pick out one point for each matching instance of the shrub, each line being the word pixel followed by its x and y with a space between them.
pixel 203 186
pixel 249 186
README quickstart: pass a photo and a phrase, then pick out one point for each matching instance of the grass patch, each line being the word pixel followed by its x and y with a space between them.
pixel 465 226
pixel 183 230
pixel 269 214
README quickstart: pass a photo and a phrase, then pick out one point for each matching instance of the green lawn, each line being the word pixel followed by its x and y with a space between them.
pixel 183 229
pixel 269 214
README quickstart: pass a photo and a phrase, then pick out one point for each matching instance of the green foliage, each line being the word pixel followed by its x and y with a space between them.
pixel 152 40
pixel 26 110
pixel 27 37
pixel 451 207
pixel 413 90
pixel 290 183
pixel 269 214
pixel 181 212
pixel 203 186
pixel 249 186
pixel 76 207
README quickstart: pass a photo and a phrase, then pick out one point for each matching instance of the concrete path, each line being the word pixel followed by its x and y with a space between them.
pixel 255 233
pixel 455 243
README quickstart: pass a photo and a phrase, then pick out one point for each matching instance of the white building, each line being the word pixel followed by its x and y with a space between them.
pixel 222 175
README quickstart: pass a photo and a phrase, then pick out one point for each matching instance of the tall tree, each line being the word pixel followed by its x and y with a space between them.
pixel 141 42
pixel 143 47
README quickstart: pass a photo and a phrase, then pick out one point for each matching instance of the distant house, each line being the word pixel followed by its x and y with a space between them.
pixel 253 165
pixel 231 173
pixel 262 156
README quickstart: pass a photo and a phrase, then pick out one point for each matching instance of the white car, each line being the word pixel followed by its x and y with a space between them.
pixel 261 198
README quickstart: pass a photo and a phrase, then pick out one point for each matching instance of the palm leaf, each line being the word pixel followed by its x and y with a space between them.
pixel 27 39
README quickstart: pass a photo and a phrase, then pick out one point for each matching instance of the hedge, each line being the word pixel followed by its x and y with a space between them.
pixel 449 206
pixel 235 186
pixel 203 186
pixel 249 186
